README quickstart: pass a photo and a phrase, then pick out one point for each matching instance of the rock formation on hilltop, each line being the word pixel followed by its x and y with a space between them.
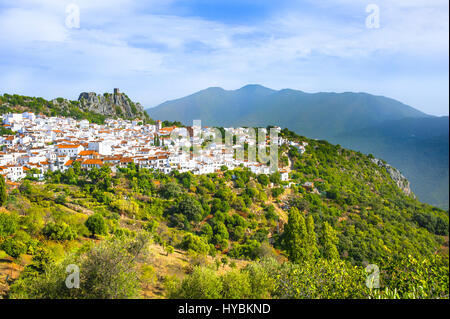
pixel 116 104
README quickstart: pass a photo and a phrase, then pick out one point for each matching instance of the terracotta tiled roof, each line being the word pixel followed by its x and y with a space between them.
pixel 92 162
pixel 68 146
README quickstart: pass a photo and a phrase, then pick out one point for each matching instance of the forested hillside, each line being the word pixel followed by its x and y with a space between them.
pixel 231 234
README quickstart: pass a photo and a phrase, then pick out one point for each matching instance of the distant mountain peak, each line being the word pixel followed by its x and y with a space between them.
pixel 214 88
pixel 254 87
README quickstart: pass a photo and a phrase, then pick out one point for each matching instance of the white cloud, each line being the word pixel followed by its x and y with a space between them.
pixel 156 57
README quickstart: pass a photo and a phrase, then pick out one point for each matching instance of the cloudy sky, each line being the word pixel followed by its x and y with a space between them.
pixel 165 49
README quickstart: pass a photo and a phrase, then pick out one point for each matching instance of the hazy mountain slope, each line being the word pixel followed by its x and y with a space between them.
pixel 419 147
pixel 300 111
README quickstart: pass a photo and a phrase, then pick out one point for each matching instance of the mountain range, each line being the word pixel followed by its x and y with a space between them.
pixel 414 142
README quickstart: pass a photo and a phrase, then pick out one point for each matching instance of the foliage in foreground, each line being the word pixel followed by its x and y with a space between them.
pixel 318 279
pixel 107 271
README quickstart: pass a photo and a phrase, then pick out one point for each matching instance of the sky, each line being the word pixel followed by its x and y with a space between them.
pixel 158 50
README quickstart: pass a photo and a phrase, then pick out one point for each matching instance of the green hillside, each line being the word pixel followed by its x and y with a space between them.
pixel 231 234
pixel 62 107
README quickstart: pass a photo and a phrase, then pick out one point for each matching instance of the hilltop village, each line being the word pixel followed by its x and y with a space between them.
pixel 42 144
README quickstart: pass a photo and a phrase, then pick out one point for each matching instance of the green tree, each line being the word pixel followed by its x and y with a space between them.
pixel 203 283
pixel 195 243
pixel 59 231
pixel 295 236
pixel 13 247
pixel 170 190
pixel 3 195
pixel 263 179
pixel 207 232
pixel 169 249
pixel 311 238
pixel 329 241
pixel 191 208
pixel 236 285
pixel 8 224
pixel 108 271
pixel 151 226
pixel 96 225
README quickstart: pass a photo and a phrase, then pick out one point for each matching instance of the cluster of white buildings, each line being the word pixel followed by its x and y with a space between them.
pixel 42 144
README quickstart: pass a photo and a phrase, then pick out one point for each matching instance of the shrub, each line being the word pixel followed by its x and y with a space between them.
pixel 8 224
pixel 13 247
pixel 191 208
pixel 195 243
pixel 203 283
pixel 236 285
pixel 96 225
pixel 59 231
pixel 170 190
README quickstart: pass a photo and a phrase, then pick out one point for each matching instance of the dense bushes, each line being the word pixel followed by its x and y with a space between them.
pixel 321 278
pixel 203 283
pixel 435 224
pixel 195 243
pixel 108 271
pixel 191 208
pixel 8 224
pixel 13 247
pixel 59 231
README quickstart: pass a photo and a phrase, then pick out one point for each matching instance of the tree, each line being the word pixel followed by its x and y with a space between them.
pixel 262 279
pixel 311 238
pixel 329 241
pixel 148 275
pixel 263 179
pixel 203 283
pixel 8 224
pixel 169 249
pixel 191 208
pixel 236 285
pixel 295 236
pixel 170 190
pixel 3 195
pixel 13 247
pixel 299 203
pixel 101 177
pixel 96 225
pixel 195 243
pixel 107 271
pixel 59 231
pixel 151 226
pixel 277 191
pixel 207 232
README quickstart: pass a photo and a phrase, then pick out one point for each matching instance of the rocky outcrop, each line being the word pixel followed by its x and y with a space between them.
pixel 401 181
pixel 116 104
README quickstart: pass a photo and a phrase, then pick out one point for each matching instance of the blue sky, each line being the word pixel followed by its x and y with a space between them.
pixel 165 49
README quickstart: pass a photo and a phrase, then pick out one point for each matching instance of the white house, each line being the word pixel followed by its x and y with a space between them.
pixel 69 149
